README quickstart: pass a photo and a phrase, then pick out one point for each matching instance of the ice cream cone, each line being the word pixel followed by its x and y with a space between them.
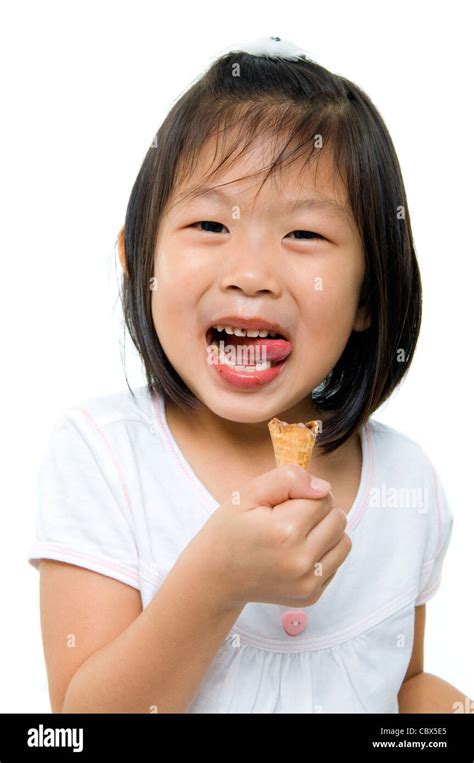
pixel 293 443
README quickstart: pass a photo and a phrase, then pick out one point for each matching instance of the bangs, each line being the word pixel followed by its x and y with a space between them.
pixel 290 134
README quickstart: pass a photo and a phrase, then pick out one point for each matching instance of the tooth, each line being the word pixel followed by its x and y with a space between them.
pixel 252 332
pixel 219 328
pixel 263 366
pixel 229 329
pixel 272 333
pixel 239 332
pixel 263 333
pixel 228 362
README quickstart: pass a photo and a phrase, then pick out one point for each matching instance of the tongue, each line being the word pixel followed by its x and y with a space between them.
pixel 275 349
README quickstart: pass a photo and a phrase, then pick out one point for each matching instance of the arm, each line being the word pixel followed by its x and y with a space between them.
pixel 423 692
pixel 158 661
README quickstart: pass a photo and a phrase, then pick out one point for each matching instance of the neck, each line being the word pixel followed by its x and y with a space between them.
pixel 252 440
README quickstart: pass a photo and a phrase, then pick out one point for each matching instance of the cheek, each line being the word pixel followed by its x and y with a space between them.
pixel 170 269
pixel 176 280
pixel 176 263
pixel 330 312
pixel 336 292
pixel 165 299
pixel 173 307
pixel 171 326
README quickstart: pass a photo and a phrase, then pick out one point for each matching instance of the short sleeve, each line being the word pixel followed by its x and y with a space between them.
pixel 439 537
pixel 83 514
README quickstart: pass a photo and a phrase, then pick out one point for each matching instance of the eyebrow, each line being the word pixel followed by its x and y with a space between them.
pixel 311 202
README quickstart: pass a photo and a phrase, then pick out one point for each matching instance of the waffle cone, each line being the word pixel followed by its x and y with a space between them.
pixel 293 443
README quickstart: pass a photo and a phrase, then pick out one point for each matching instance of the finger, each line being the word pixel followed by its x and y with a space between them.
pixel 304 513
pixel 279 485
pixel 326 567
pixel 327 533
pixel 326 583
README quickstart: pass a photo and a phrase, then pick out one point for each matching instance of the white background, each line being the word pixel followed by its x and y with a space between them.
pixel 85 86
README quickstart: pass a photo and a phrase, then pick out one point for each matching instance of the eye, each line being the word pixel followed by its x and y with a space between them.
pixel 209 223
pixel 300 235
pixel 306 235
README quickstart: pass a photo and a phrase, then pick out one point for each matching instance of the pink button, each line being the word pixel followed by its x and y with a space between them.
pixel 294 621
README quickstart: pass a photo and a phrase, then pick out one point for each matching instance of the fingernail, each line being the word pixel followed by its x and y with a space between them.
pixel 319 485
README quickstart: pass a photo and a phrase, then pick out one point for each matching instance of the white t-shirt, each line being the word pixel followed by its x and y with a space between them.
pixel 117 495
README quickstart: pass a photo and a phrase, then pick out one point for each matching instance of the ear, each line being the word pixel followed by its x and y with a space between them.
pixel 121 249
pixel 362 320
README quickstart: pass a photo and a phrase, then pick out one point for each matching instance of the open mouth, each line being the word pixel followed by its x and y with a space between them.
pixel 249 350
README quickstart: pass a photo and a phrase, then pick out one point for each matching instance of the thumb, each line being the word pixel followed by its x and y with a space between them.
pixel 280 484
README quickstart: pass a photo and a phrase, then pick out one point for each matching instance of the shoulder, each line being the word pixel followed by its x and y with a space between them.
pixel 390 439
pixel 400 452
pixel 406 462
pixel 407 478
pixel 99 430
pixel 93 416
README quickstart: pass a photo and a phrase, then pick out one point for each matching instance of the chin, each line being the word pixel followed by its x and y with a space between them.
pixel 243 411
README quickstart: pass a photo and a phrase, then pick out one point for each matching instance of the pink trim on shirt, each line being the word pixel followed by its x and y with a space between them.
pixel 425 595
pixel 438 510
pixel 360 627
pixel 120 474
pixel 363 500
pixel 39 548
pixel 195 480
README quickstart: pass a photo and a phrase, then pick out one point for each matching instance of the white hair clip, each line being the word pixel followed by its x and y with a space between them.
pixel 272 47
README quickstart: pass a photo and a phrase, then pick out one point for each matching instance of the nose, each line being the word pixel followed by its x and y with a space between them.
pixel 252 272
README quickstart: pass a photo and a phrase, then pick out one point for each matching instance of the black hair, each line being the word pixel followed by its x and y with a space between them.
pixel 239 98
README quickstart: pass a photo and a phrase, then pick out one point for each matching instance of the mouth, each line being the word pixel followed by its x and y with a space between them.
pixel 247 357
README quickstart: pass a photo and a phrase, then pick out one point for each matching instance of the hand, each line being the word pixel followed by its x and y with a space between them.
pixel 282 543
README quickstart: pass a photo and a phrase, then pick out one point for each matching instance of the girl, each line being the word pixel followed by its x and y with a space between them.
pixel 188 572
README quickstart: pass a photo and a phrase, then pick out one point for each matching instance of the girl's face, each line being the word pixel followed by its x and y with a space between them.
pixel 247 261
